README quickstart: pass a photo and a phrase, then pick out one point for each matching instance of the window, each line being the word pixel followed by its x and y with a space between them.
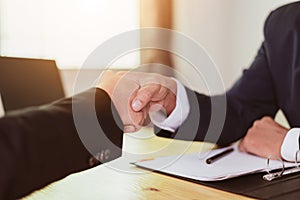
pixel 64 30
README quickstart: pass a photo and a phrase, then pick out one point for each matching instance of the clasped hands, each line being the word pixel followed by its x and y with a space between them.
pixel 136 94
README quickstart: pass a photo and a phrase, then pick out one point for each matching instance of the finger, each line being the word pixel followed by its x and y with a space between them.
pixel 241 146
pixel 143 78
pixel 144 96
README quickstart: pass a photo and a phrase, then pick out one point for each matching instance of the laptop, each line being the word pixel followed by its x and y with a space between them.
pixel 28 82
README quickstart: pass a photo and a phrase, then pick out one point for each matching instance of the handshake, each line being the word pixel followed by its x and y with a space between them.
pixel 137 94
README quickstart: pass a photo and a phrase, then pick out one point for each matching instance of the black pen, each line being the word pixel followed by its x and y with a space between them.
pixel 219 155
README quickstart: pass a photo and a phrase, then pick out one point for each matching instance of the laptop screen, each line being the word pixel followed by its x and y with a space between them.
pixel 28 82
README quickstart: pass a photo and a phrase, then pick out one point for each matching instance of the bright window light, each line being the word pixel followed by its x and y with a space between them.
pixel 64 30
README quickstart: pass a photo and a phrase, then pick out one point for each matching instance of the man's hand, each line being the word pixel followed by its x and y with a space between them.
pixel 136 93
pixel 264 138
pixel 155 92
pixel 120 89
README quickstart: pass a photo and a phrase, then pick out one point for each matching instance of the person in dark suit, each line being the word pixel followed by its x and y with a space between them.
pixel 39 145
pixel 42 144
pixel 271 83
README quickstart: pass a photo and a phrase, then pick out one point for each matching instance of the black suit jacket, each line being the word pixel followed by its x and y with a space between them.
pixel 40 145
pixel 271 83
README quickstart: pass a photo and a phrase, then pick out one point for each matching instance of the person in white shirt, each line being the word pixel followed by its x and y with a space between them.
pixel 271 83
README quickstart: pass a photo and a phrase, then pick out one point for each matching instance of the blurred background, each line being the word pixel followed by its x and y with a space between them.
pixel 67 31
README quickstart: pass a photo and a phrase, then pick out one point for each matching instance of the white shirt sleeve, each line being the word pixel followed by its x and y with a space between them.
pixel 179 114
pixel 290 145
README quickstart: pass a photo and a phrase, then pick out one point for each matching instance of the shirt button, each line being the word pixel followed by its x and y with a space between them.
pixel 93 161
pixel 100 157
pixel 103 155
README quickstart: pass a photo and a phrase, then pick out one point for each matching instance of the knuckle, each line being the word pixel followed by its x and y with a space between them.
pixel 163 90
pixel 257 123
pixel 146 94
pixel 267 118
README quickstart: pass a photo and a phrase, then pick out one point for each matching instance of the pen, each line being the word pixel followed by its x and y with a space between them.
pixel 218 156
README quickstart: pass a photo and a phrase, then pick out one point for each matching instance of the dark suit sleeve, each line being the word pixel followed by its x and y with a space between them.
pixel 40 145
pixel 252 97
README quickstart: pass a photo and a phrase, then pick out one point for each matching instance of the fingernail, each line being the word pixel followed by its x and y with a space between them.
pixel 129 129
pixel 137 105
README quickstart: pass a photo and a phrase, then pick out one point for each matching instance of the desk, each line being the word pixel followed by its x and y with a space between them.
pixel 103 182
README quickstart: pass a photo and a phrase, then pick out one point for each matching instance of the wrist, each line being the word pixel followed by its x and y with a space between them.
pixel 106 88
pixel 177 115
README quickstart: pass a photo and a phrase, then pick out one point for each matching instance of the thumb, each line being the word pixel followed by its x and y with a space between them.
pixel 143 96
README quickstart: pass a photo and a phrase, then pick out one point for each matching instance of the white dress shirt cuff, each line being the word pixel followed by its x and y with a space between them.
pixel 179 114
pixel 290 145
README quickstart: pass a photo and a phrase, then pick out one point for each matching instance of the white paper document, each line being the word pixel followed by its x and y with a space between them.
pixel 194 166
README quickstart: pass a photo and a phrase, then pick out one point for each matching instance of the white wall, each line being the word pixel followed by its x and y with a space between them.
pixel 231 31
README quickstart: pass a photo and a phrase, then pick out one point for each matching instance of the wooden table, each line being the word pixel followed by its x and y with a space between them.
pixel 103 182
